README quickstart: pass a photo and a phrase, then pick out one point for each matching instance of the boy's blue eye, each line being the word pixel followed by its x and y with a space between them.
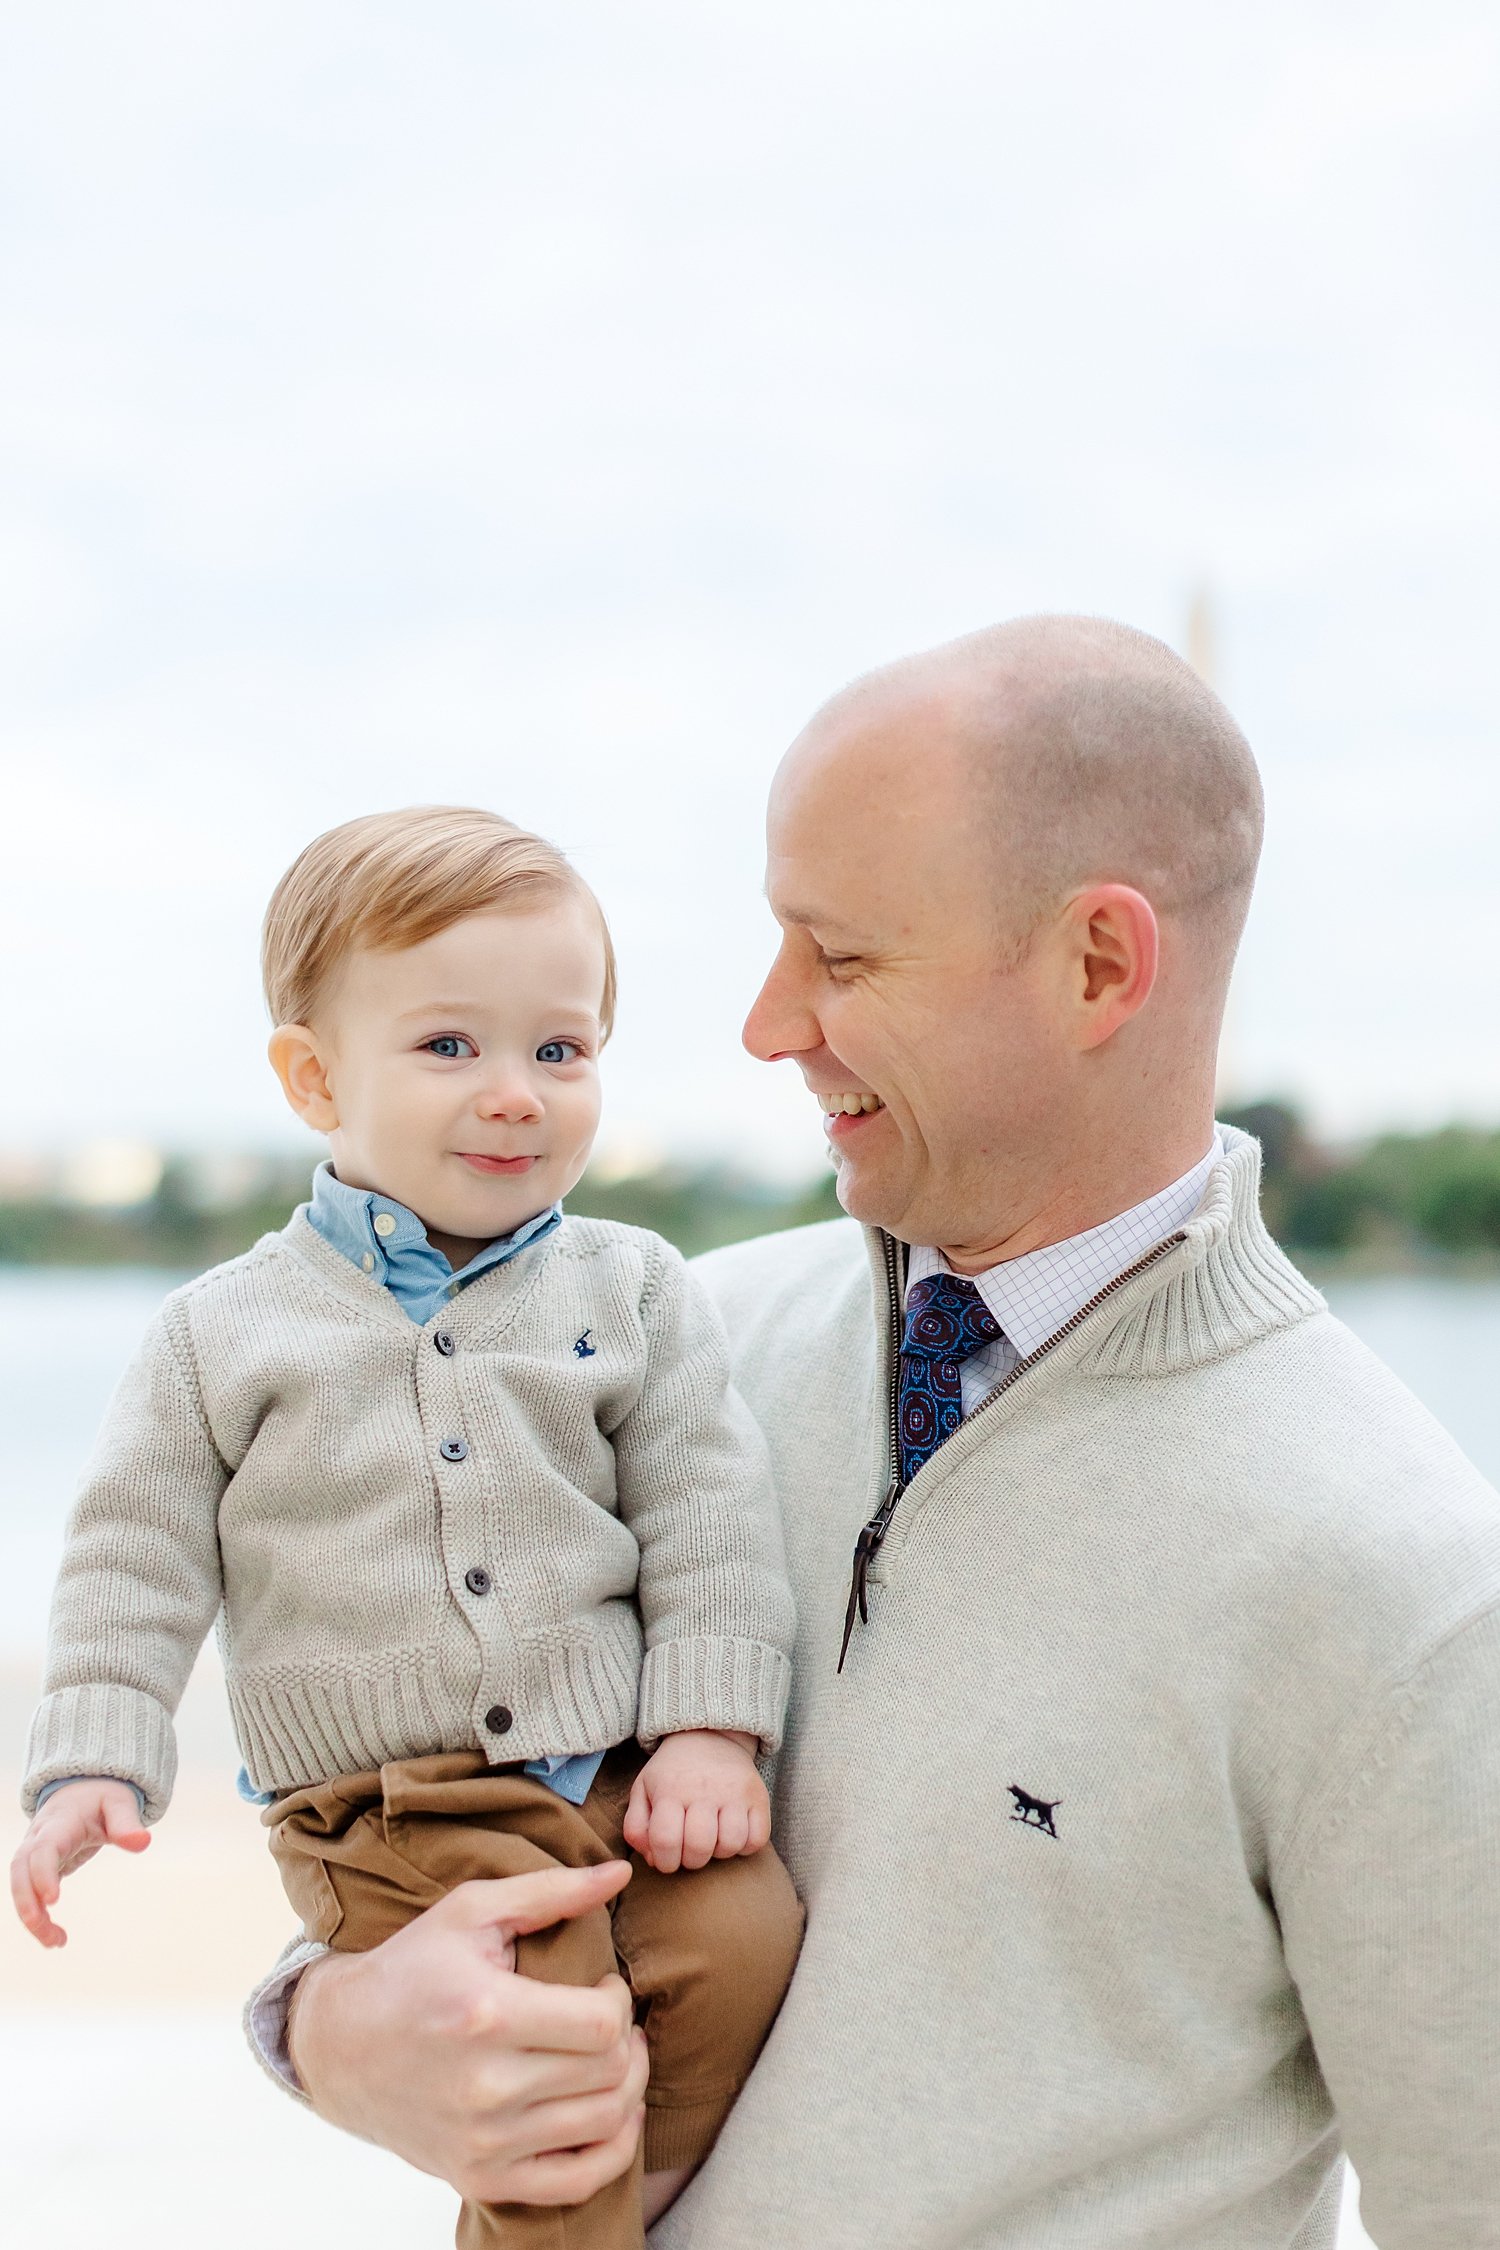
pixel 558 1051
pixel 450 1046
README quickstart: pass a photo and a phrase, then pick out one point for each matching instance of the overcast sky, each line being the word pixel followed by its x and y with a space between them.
pixel 546 406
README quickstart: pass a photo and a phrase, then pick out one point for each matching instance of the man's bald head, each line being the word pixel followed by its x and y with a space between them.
pixel 1010 877
pixel 1095 755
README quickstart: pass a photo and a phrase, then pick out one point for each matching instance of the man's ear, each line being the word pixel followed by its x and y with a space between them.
pixel 1113 953
pixel 299 1063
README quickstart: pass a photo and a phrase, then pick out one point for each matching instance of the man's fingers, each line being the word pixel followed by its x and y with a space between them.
pixel 574 2175
pixel 517 1903
pixel 579 2121
pixel 563 2019
pixel 556 2076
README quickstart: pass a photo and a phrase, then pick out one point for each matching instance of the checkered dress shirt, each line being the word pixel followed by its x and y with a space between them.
pixel 1032 1297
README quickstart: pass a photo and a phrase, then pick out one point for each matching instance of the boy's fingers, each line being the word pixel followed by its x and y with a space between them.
pixel 29 1906
pixel 760 1828
pixel 637 1817
pixel 122 1825
pixel 734 1832
pixel 666 1835
pixel 23 1897
pixel 700 1833
pixel 45 1870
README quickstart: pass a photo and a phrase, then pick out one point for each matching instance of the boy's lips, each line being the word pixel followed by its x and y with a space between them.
pixel 496 1163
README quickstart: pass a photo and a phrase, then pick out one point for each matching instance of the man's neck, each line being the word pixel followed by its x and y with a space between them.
pixel 1075 1201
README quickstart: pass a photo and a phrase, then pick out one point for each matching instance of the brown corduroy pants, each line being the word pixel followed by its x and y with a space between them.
pixel 707 1955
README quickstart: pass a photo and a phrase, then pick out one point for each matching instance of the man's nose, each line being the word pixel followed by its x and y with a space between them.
pixel 780 1023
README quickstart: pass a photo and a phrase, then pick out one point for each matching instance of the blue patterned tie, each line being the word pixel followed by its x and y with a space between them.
pixel 947 1321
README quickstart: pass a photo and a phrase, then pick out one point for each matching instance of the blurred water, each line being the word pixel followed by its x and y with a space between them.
pixel 66 1336
pixel 65 1340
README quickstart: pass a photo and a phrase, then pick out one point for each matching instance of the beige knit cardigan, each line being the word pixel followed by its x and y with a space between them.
pixel 471 1533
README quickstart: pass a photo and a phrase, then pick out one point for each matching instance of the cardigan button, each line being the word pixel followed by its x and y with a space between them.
pixel 478 1580
pixel 445 1343
pixel 498 1719
pixel 454 1449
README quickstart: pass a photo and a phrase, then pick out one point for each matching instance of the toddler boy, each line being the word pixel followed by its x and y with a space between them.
pixel 465 1485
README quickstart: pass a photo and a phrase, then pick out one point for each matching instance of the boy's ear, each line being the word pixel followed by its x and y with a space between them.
pixel 298 1062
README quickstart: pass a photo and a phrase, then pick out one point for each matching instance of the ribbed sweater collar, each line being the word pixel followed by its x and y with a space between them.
pixel 1222 1284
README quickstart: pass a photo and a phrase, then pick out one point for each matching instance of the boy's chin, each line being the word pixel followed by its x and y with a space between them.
pixel 485 1217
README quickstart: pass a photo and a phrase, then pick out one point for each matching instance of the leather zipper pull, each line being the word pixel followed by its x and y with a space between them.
pixel 866 1546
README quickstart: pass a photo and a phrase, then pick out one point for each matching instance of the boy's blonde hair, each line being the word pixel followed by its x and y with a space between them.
pixel 392 879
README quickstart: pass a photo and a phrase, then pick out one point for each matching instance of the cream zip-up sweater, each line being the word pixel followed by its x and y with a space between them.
pixel 470 1534
pixel 1205 1583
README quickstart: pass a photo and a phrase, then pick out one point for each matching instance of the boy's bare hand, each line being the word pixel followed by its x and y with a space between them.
pixel 698 1797
pixel 71 1826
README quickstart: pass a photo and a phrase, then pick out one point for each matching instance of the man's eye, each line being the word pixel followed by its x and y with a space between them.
pixel 450 1046
pixel 558 1051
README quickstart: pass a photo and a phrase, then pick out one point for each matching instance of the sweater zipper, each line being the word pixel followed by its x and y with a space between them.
pixel 872 1536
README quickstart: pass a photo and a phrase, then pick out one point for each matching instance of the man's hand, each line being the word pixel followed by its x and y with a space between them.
pixel 513 2090
pixel 75 1822
pixel 698 1797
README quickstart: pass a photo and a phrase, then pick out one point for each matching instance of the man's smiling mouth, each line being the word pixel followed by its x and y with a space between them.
pixel 850 1105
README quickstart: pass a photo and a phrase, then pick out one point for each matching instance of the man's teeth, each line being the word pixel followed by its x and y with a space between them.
pixel 851 1105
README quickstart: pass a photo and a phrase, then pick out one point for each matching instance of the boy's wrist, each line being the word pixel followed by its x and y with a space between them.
pixel 742 1739
pixel 97 1781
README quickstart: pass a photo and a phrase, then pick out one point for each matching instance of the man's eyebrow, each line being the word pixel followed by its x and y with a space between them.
pixel 805 918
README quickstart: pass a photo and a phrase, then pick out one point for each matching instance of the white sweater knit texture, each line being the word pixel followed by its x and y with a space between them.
pixel 407 1534
pixel 1205 1579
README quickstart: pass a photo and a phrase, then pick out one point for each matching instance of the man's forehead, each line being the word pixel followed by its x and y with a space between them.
pixel 797 916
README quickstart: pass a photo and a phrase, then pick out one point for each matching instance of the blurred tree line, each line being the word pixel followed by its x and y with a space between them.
pixel 1398 1199
pixel 176 1227
pixel 1402 1199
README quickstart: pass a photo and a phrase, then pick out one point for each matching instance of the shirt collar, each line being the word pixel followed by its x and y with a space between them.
pixel 1035 1295
pixel 389 1242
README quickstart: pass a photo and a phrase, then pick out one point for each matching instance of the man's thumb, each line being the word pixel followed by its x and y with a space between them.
pixel 518 1903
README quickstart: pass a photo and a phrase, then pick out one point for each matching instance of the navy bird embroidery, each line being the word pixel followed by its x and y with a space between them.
pixel 583 1347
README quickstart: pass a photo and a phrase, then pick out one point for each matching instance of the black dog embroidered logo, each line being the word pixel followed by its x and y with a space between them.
pixel 583 1347
pixel 1032 1812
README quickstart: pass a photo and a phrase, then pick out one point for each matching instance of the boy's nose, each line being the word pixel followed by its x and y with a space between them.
pixel 516 1101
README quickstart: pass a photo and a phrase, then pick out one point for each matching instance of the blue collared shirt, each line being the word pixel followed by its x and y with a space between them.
pixel 390 1243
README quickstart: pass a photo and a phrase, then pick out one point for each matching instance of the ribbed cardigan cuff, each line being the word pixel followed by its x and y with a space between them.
pixel 732 1686
pixel 102 1729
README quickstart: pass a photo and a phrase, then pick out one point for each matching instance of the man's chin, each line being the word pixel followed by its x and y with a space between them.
pixel 867 1198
